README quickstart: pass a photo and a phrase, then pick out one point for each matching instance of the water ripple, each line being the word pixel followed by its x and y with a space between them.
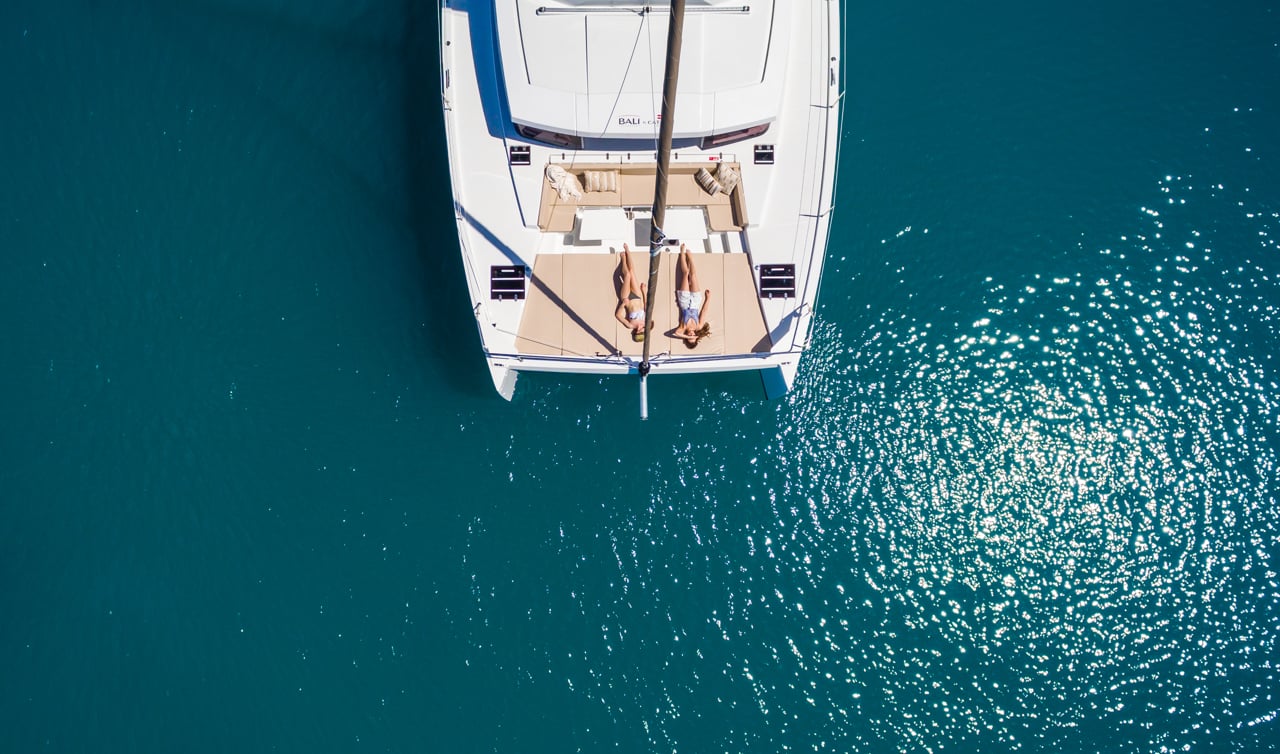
pixel 1051 525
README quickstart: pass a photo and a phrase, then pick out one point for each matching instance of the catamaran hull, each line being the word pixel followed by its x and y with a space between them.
pixel 776 380
pixel 507 64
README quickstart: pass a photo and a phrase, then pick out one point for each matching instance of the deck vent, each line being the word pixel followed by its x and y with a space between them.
pixel 506 282
pixel 764 154
pixel 777 281
pixel 518 155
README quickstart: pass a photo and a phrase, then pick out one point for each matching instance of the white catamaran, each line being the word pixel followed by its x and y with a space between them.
pixel 571 134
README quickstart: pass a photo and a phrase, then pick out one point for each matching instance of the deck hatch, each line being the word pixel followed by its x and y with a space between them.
pixel 764 154
pixel 506 282
pixel 519 155
pixel 777 281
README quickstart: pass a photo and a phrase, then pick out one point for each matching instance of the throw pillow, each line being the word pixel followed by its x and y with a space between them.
pixel 728 176
pixel 601 180
pixel 707 182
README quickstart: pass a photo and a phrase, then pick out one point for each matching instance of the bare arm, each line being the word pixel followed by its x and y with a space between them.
pixel 706 303
pixel 620 313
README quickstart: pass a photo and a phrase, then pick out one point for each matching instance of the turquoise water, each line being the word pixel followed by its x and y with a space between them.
pixel 259 494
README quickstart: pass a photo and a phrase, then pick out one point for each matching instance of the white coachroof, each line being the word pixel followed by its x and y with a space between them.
pixel 595 68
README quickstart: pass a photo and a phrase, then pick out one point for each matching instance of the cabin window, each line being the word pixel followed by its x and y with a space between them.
pixel 719 140
pixel 549 137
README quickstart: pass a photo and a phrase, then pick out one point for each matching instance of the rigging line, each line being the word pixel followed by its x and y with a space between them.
pixel 656 123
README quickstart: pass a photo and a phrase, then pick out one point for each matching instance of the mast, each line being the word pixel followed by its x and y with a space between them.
pixel 675 31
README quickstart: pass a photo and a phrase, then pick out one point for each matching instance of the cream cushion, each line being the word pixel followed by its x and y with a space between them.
pixel 728 177
pixel 601 180
pixel 707 182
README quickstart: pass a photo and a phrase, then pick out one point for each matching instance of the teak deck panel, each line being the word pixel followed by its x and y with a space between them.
pixel 572 298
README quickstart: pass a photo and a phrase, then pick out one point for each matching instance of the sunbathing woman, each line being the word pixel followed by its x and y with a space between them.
pixel 692 302
pixel 631 298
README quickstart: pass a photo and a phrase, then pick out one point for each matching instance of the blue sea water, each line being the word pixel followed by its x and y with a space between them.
pixel 259 495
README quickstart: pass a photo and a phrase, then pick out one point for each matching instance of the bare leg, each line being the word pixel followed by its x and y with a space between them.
pixel 632 282
pixel 686 270
pixel 692 279
pixel 627 277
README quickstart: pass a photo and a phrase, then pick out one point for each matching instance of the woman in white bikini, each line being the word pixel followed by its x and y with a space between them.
pixel 631 298
pixel 691 300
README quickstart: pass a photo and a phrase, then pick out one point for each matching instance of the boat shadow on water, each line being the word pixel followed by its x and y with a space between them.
pixel 449 327
pixel 404 51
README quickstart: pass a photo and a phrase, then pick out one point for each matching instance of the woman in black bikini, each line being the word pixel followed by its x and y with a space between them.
pixel 631 298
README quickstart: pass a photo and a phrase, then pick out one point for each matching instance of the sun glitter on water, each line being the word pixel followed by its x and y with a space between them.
pixel 1058 519
pixel 1079 491
pixel 1050 523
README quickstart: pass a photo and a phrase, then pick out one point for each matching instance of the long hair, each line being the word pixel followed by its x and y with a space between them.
pixel 701 333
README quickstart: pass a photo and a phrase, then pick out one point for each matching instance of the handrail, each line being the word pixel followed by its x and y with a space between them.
pixel 810 284
pixel 473 279
pixel 642 10
pixel 662 358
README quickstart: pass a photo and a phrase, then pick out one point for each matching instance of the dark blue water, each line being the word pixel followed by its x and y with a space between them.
pixel 258 493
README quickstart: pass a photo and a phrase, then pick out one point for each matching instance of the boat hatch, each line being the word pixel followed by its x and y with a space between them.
pixel 595 69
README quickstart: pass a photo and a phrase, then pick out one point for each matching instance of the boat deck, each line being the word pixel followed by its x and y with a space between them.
pixel 572 298
pixel 779 216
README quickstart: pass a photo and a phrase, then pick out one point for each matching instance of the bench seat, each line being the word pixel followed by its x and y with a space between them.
pixel 725 213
